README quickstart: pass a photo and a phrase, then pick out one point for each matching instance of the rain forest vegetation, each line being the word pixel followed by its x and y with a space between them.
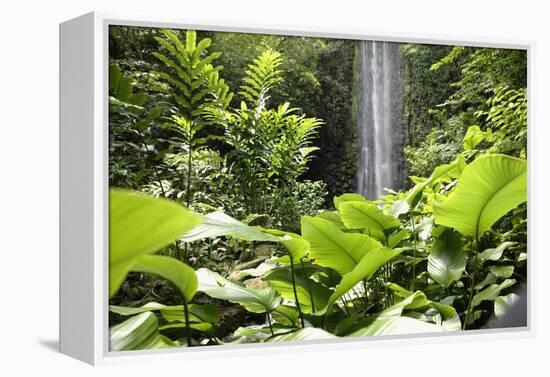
pixel 232 212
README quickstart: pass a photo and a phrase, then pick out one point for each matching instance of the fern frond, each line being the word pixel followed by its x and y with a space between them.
pixel 262 75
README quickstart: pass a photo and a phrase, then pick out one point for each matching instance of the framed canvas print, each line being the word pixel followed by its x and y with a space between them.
pixel 228 188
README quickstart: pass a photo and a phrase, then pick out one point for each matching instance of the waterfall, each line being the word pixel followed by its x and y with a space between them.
pixel 380 131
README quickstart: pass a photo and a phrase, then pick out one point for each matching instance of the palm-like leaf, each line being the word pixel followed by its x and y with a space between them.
pixel 262 74
pixel 189 71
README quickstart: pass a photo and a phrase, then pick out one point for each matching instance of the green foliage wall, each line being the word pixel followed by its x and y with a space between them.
pixel 450 89
pixel 338 137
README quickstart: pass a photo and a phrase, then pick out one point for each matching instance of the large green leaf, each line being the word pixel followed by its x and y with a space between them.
pixel 450 321
pixel 349 197
pixel 180 274
pixel 138 332
pixel 367 216
pixel 309 333
pixel 494 254
pixel 309 292
pixel 447 260
pixel 450 170
pixel 254 300
pixel 217 224
pixel 201 317
pixel 139 225
pixel 204 318
pixel 333 217
pixel 491 292
pixel 398 326
pixel 488 188
pixel 149 307
pixel 473 137
pixel 400 317
pixel 367 266
pixel 296 246
pixel 503 303
pixel 197 313
pixel 333 248
pixel 502 271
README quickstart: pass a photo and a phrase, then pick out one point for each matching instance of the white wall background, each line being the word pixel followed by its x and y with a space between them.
pixel 29 183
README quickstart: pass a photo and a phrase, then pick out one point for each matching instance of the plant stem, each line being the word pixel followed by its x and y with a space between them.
pixel 189 174
pixel 353 303
pixel 413 278
pixel 345 304
pixel 188 188
pixel 362 298
pixel 292 272
pixel 366 295
pixel 472 284
pixel 385 282
pixel 308 287
pixel 269 323
pixel 188 332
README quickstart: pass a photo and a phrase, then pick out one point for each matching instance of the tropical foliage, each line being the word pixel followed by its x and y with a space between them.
pixel 218 234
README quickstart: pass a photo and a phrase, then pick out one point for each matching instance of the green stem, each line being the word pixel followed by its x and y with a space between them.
pixel 189 173
pixel 188 329
pixel 308 287
pixel 472 285
pixel 345 305
pixel 353 303
pixel 188 189
pixel 413 278
pixel 292 272
pixel 269 323
pixel 362 298
pixel 386 277
pixel 366 295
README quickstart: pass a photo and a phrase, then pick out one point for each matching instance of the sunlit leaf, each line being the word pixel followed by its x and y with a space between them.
pixel 366 267
pixel 308 333
pixel 330 247
pixel 309 292
pixel 488 188
pixel 398 326
pixel 254 300
pixel 140 225
pixel 217 224
pixel 367 216
pixel 491 292
pixel 178 273
pixel 137 333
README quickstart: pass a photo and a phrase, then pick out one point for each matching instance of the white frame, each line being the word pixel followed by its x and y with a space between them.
pixel 84 186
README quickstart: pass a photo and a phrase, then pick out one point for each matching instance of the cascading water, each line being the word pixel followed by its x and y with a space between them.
pixel 379 119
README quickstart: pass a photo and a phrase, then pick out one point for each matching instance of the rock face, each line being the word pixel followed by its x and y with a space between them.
pixel 379 120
